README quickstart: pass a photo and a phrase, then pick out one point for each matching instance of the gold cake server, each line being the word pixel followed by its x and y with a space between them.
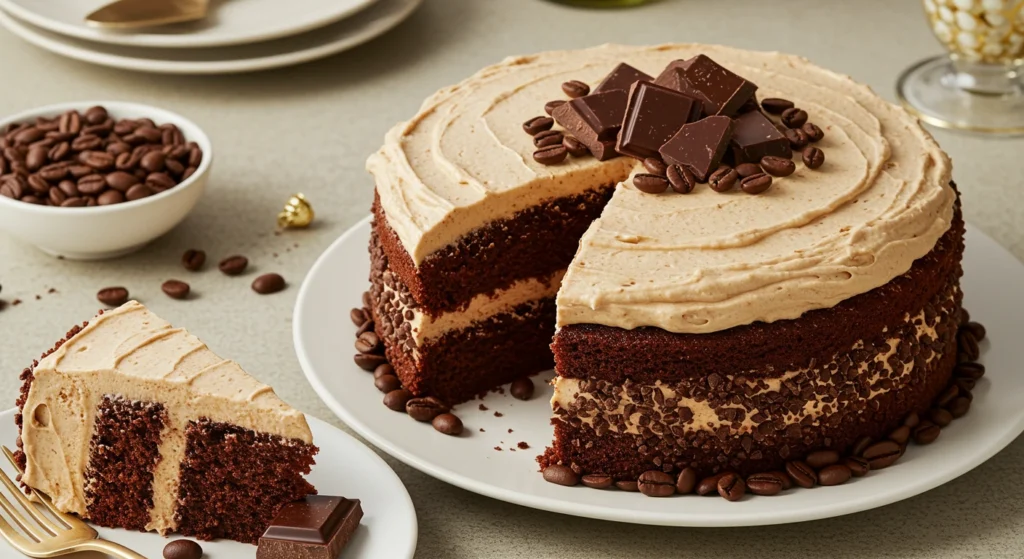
pixel 134 14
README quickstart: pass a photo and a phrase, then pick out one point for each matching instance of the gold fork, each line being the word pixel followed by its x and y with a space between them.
pixel 49 538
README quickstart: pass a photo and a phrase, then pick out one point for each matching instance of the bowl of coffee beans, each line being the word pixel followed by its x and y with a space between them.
pixel 95 180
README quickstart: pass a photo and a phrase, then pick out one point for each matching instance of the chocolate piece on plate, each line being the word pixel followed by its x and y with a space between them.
pixel 594 118
pixel 721 91
pixel 699 146
pixel 621 77
pixel 315 527
pixel 755 137
pixel 653 115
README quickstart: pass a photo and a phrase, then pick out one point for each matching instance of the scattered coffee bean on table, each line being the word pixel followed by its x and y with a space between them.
pixel 193 259
pixel 813 157
pixel 794 117
pixel 448 423
pixel 176 289
pixel 723 179
pixel 560 475
pixel 268 283
pixel 113 296
pixel 777 166
pixel 522 389
pixel 756 184
pixel 233 265
pixel 575 88
pixel 775 106
pixel 183 549
pixel 538 124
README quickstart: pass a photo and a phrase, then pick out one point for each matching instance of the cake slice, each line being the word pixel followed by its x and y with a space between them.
pixel 129 422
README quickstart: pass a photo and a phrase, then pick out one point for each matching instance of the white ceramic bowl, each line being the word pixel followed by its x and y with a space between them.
pixel 102 232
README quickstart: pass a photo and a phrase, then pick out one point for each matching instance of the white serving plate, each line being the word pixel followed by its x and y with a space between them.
pixel 992 282
pixel 319 43
pixel 230 22
pixel 343 467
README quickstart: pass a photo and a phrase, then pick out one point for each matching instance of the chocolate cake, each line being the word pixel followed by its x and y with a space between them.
pixel 704 327
pixel 131 423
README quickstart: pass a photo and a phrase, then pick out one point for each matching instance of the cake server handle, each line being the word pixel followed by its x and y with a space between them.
pixel 110 548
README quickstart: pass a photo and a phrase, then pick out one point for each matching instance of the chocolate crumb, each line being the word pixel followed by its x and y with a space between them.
pixel 498 414
pixel 482 430
pixel 38 297
pixel 510 430
pixel 498 448
pixel 522 445
pixel 15 302
pixel 52 290
pixel 483 407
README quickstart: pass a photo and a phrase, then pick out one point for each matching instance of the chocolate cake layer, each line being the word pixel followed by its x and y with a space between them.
pixel 535 242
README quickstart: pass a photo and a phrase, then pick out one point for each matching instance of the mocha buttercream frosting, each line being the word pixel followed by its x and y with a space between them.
pixel 693 263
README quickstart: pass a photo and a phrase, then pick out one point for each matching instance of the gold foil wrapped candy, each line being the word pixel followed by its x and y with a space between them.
pixel 297 213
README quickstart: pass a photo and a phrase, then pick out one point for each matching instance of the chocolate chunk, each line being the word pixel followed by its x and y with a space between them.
pixel 754 137
pixel 315 527
pixel 574 146
pixel 621 77
pixel 604 150
pixel 593 119
pixel 720 91
pixel 699 146
pixel 653 115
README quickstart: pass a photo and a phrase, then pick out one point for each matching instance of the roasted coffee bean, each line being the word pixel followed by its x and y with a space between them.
pixel 138 192
pixel 121 181
pixel 268 283
pixel 977 329
pixel 775 106
pixel 176 289
pixel 858 466
pixel 575 147
pixel 175 168
pixel 152 161
pixel 148 134
pixel 709 485
pixel 649 183
pixel 32 199
pixel 193 259
pixel 551 155
pixel 16 184
pixel 794 117
pixel 28 135
pixel 118 148
pixel 369 361
pixel 383 370
pixel 356 314
pixel 836 474
pixel 522 388
pixel 777 166
pixel 575 88
pixel 234 265
pixel 560 475
pixel 680 179
pixel 160 181
pixel 75 202
pixel 597 481
pixel 764 484
pixel 813 157
pixel 550 106
pixel 940 417
pixel 538 124
pixel 969 369
pixel 900 435
pixel 387 383
pixel 797 138
pixel 397 399
pixel 968 344
pixel 5 191
pixel 655 166
pixel 56 196
pixel 959 407
pixel 79 171
pixel 548 138
pixel 38 184
pixel 813 132
pixel 926 432
pixel 126 161
pixel 686 481
pixel 183 549
pixel 731 487
pixel 628 485
pixel 821 458
pixel 125 127
pixel 756 184
pixel 96 115
pixel 36 157
pixel 748 169
pixel 655 483
pixel 911 421
pixel 723 179
pixel 448 423
pixel 113 296
pixel 882 454
pixel 86 143
pixel 801 474
pixel 171 136
pixel 367 326
pixel 947 395
pixel 425 409
pixel 99 160
pixel 195 155
pixel 59 151
pixel 70 123
pixel 110 197
pixel 368 342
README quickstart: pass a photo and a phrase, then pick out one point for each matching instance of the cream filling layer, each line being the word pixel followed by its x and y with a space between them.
pixel 130 352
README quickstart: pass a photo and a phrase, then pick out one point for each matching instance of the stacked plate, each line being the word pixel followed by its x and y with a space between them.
pixel 237 35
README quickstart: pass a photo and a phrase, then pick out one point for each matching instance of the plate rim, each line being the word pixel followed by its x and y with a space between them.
pixel 218 67
pixel 155 40
pixel 866 501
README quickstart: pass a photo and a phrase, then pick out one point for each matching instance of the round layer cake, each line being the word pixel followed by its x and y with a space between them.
pixel 719 331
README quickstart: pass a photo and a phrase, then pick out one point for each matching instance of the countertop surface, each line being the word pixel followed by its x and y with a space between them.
pixel 310 128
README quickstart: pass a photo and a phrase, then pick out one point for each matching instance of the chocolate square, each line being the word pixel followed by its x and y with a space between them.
pixel 755 136
pixel 699 146
pixel 721 91
pixel 315 527
pixel 621 77
pixel 653 115
pixel 593 119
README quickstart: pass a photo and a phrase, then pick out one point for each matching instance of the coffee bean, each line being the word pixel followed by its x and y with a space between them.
pixel 195 155
pixel 387 383
pixel 110 197
pixel 709 485
pixel 836 474
pixel 723 179
pixel 120 180
pixel 574 146
pixel 966 341
pixel 117 149
pixel 655 166
pixel 152 161
pixel 193 259
pixel 575 88
pixel 36 158
pixel 926 433
pixel 940 417
pixel 859 467
pixel 74 202
pixel 160 181
pixel 70 123
pixel 176 289
pixel 31 199
pixel 385 369
pixel 969 369
pixel 777 166
pixel 797 138
pixel 99 160
pixel 597 481
pixel 821 458
pixel 368 342
pixel 959 407
pixel 813 132
pixel 627 485
pixel 183 549
pixel 79 171
pixel 747 169
pixel 548 138
pixel 550 155
pixel 138 192
pixel 397 399
pixel 522 388
pixel 651 184
pixel 882 454
pixel 58 152
pixel 977 329
pixel 113 296
pixel 686 481
pixel 126 161
pixel 448 423
pixel 680 179
pixel 369 361
pixel 731 487
pixel 96 115
pixel 911 421
pixel 538 124
pixel 794 117
pixel 425 409
pixel 56 196
pixel 560 475
pixel 775 105
pixel 38 185
pixel 900 435
pixel 356 314
pixel 87 143
pixel 787 482
pixel 813 157
pixel 801 474
pixel 764 484
pixel 756 184
pixel 268 283
pixel 16 185
pixel 149 134
pixel 550 106
pixel 233 265
pixel 655 483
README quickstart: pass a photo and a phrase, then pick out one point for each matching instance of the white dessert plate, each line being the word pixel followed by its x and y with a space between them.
pixel 474 462
pixel 230 22
pixel 375 20
pixel 344 467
